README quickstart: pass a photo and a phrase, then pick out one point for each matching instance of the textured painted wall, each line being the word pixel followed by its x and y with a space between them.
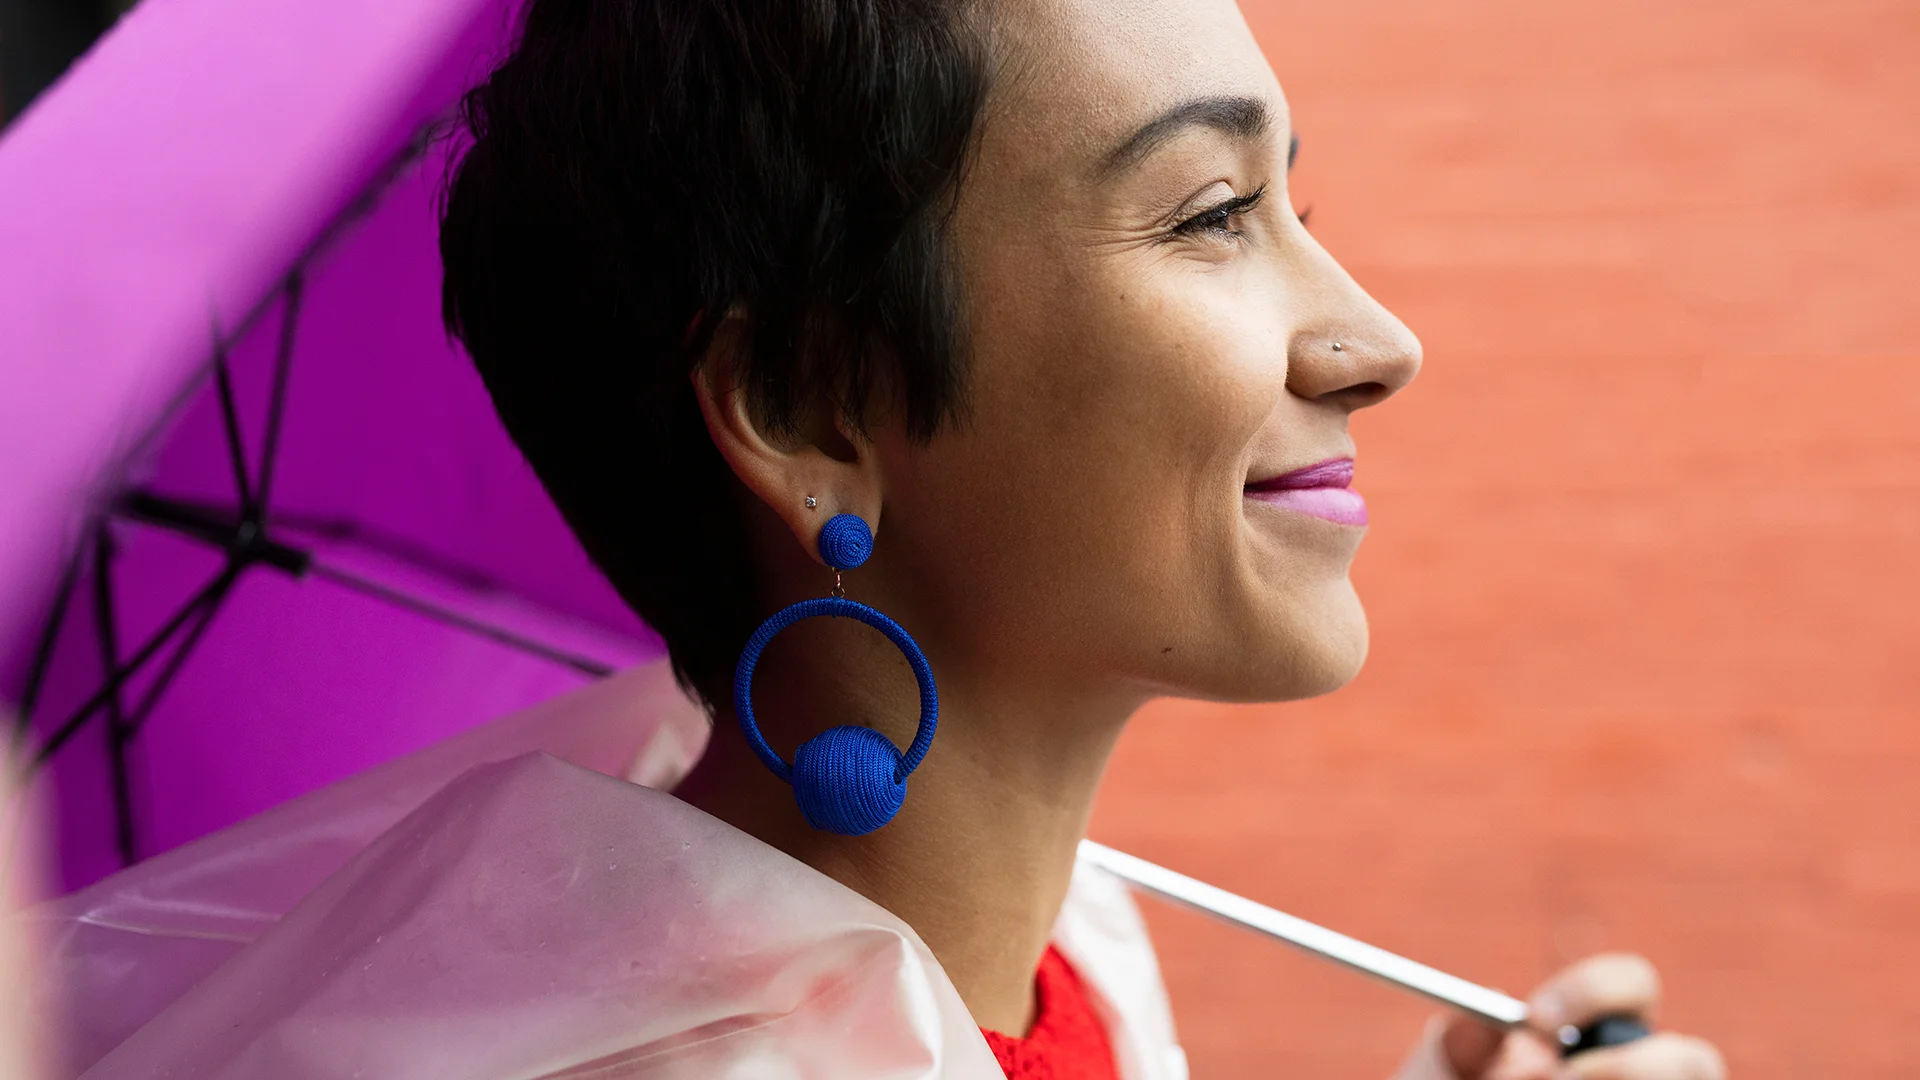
pixel 1642 575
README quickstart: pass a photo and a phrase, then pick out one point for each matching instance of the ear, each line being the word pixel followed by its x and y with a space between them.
pixel 823 458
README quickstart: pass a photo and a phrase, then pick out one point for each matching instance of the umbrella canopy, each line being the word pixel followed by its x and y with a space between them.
pixel 259 527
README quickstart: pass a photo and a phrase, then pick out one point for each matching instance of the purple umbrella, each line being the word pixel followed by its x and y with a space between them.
pixel 259 528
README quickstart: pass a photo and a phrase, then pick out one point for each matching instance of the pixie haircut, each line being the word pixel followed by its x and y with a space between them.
pixel 636 170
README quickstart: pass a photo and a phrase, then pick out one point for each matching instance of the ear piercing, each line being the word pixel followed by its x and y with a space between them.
pixel 812 502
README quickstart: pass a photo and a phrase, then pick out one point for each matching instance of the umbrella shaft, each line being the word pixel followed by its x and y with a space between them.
pixel 1491 1006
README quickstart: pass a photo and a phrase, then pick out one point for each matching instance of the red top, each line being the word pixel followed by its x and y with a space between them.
pixel 1068 1041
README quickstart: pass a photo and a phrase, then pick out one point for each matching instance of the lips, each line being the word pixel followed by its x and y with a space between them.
pixel 1321 490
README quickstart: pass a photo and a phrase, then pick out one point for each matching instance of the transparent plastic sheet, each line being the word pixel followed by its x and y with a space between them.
pixel 120 951
pixel 504 906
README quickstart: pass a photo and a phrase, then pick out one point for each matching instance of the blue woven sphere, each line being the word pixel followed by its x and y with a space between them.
pixel 845 541
pixel 844 780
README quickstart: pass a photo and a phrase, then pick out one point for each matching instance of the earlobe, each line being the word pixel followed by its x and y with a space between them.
pixel 805 476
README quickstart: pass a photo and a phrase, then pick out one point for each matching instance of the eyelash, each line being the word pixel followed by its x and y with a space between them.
pixel 1217 218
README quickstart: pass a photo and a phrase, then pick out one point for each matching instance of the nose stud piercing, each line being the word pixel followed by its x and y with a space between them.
pixel 1337 347
pixel 812 502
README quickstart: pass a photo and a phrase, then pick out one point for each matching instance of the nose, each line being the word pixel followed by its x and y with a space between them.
pixel 1347 350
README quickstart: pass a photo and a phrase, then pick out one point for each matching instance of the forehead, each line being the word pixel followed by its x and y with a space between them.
pixel 1078 76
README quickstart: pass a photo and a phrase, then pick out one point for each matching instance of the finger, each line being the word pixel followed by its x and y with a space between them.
pixel 1471 1046
pixel 1478 1052
pixel 1524 1057
pixel 1656 1057
pixel 1604 985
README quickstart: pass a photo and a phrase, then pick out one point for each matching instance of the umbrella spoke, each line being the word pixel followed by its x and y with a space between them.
pixel 210 593
pixel 106 626
pixel 138 717
pixel 230 418
pixel 216 526
pixel 460 620
pixel 43 649
pixel 277 402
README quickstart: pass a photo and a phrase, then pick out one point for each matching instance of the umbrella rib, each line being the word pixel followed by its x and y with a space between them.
pixel 126 671
pixel 454 618
pixel 206 523
pixel 43 649
pixel 106 625
pixel 230 417
pixel 336 227
pixel 391 545
pixel 277 402
pixel 200 523
pixel 174 661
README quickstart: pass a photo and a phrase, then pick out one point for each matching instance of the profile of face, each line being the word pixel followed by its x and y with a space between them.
pixel 1147 491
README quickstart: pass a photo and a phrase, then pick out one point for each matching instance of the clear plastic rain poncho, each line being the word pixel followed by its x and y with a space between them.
pixel 522 901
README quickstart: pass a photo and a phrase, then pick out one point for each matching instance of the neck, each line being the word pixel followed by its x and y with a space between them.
pixel 979 858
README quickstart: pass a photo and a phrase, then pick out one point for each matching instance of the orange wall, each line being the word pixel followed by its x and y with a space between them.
pixel 1644 572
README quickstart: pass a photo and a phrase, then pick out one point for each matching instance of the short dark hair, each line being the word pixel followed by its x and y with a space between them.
pixel 639 168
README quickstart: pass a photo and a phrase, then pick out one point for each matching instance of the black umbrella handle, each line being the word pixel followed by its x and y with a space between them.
pixel 1615 1030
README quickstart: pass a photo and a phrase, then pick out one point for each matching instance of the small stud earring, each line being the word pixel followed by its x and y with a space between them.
pixel 1337 347
pixel 812 502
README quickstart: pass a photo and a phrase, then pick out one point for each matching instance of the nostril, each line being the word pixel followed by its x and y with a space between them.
pixel 1361 395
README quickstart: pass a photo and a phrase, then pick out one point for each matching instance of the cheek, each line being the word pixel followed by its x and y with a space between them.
pixel 1158 400
pixel 1148 392
pixel 1103 461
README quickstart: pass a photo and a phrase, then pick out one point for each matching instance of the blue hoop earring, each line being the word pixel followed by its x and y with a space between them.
pixel 847 780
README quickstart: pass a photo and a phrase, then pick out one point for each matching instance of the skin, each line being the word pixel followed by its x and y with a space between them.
pixel 1082 541
pixel 18 1041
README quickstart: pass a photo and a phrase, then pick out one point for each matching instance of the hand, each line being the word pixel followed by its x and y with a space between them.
pixel 1592 988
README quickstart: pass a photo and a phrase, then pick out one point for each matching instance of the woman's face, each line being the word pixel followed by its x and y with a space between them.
pixel 1148 491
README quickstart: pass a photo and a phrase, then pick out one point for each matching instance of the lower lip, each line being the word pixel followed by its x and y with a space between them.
pixel 1342 506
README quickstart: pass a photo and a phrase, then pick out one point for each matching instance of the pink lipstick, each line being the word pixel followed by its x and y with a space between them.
pixel 1323 490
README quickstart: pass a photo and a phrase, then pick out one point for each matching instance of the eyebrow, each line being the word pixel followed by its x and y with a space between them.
pixel 1241 117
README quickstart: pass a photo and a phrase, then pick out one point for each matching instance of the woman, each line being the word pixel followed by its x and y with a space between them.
pixel 1010 289
pixel 1017 284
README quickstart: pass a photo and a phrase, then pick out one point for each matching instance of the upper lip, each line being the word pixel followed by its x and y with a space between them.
pixel 1331 473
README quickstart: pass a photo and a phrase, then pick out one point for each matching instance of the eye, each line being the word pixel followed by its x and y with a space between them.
pixel 1218 220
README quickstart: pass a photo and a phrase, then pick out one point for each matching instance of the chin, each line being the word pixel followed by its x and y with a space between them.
pixel 1339 663
pixel 1321 648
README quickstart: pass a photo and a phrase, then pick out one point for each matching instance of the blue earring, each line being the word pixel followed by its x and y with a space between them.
pixel 847 780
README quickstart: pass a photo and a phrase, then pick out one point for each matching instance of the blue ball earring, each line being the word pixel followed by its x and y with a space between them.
pixel 847 780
